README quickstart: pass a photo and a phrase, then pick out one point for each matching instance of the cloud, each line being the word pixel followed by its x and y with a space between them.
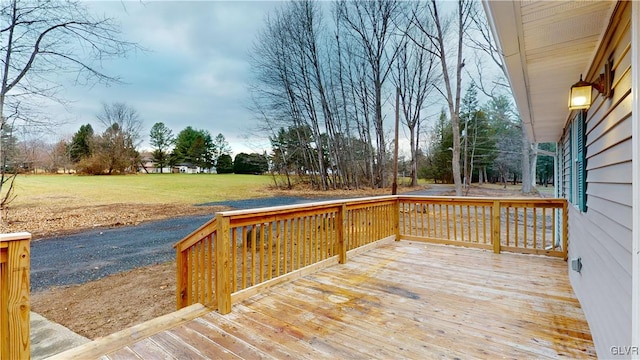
pixel 194 70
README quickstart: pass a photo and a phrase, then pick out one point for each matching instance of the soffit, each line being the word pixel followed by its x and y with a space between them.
pixel 546 45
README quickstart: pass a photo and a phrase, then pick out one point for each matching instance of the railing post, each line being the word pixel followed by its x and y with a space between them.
pixel 182 276
pixel 14 296
pixel 396 219
pixel 495 227
pixel 341 232
pixel 222 264
pixel 565 230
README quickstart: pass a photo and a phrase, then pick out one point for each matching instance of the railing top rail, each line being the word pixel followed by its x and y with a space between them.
pixel 533 202
pixel 196 234
pixel 275 210
pixel 521 199
pixel 15 236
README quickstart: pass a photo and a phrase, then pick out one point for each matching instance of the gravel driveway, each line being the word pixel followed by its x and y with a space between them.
pixel 93 254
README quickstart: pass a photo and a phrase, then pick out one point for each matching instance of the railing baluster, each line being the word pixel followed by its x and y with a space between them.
pixel 305 259
pixel 285 239
pixel 484 225
pixel 544 228
pixel 295 241
pixel 211 268
pixel 368 225
pixel 410 232
pixel 244 257
pixel 455 223
pixel 322 234
pixel 440 220
pixel 254 243
pixel 234 258
pixel 554 213
pixel 515 228
pixel 469 223
pixel 535 228
pixel 261 231
pixel 313 244
pixel 378 220
pixel 525 242
pixel 270 250
pixel 446 206
pixel 190 288
pixel 508 223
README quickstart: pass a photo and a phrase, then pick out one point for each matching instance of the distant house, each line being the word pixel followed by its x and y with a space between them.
pixel 186 168
pixel 147 165
pixel 546 46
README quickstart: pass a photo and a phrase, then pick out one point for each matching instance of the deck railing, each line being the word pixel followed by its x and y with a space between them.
pixel 14 296
pixel 228 257
pixel 530 226
pixel 240 249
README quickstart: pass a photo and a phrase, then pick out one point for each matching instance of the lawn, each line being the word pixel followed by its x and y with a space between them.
pixel 63 190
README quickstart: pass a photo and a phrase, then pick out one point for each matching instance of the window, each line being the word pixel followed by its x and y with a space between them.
pixel 578 167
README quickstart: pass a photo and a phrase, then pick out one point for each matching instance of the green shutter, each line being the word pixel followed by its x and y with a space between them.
pixel 571 162
pixel 581 165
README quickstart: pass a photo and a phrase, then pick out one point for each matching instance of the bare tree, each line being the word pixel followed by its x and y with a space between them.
pixel 415 78
pixel 60 156
pixel 482 41
pixel 41 38
pixel 283 94
pixel 371 25
pixel 326 88
pixel 439 33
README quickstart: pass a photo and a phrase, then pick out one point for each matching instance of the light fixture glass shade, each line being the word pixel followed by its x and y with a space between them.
pixel 580 97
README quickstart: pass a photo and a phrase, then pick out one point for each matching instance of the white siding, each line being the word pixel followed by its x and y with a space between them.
pixel 602 235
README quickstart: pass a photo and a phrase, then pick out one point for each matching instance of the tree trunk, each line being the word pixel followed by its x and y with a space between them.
pixel 534 165
pixel 414 156
pixel 526 166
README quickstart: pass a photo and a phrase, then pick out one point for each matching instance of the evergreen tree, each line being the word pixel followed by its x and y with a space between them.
pixel 508 137
pixel 195 147
pixel 161 138
pixel 250 164
pixel 544 166
pixel 438 163
pixel 224 165
pixel 80 146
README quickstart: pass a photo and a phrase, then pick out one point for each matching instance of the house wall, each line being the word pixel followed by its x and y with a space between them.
pixel 602 236
pixel 635 90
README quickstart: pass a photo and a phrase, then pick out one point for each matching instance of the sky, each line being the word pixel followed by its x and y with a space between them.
pixel 193 71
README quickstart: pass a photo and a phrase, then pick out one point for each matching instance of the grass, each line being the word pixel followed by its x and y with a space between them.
pixel 63 190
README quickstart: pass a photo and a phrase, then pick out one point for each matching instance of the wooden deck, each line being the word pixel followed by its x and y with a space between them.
pixel 401 300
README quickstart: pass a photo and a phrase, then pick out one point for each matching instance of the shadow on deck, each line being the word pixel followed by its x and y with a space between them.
pixel 400 300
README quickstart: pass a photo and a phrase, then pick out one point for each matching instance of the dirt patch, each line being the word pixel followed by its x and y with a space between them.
pixel 116 302
pixel 45 221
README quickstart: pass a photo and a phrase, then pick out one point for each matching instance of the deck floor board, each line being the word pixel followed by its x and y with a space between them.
pixel 401 300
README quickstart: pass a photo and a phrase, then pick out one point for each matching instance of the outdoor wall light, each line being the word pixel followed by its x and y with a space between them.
pixel 576 264
pixel 581 91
